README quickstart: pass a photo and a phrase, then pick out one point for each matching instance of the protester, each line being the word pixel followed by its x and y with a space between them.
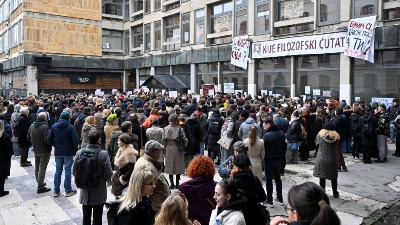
pixel 6 151
pixel 23 124
pixel 88 126
pixel 224 170
pixel 256 151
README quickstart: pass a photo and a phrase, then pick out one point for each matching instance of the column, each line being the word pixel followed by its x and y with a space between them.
pixel 124 80
pixel 252 75
pixel 220 77
pixel 137 78
pixel 345 79
pixel 293 72
pixel 193 79
pixel 32 80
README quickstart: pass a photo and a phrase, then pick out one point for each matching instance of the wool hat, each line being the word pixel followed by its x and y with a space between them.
pixel 242 161
pixel 153 145
pixel 112 117
pixel 65 115
pixel 245 114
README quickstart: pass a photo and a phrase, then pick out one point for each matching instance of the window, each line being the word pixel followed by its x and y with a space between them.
pixel 362 8
pixel 127 36
pixel 112 7
pixel 157 5
pixel 293 9
pixel 329 11
pixel 137 5
pixel 262 17
pixel 221 17
pixel 137 36
pixel 112 39
pixel 157 35
pixel 144 74
pixel 147 6
pixel 391 14
pixel 199 26
pixel 147 37
pixel 186 29
pixel 172 32
pixel 241 17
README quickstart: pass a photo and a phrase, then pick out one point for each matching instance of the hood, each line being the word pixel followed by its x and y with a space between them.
pixel 236 204
pixel 250 120
pixel 273 128
pixel 329 136
pixel 39 123
pixel 116 134
pixel 197 183
pixel 82 118
pixel 62 123
pixel 86 127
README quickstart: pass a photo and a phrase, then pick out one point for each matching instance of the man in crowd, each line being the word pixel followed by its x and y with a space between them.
pixel 23 124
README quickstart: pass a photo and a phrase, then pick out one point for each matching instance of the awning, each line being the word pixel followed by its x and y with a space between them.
pixel 163 81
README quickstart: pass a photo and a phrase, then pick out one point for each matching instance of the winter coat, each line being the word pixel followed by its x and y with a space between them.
pixel 140 131
pixel 78 123
pixel 254 194
pixel 383 124
pixel 355 125
pixel 274 143
pixel 392 110
pixel 230 214
pixel 64 138
pixel 154 133
pixel 38 133
pixel 224 170
pixel 24 124
pixel 294 131
pixel 214 134
pixel 149 120
pixel 6 151
pixel 96 195
pixel 195 130
pixel 108 129
pixel 282 123
pixel 174 161
pixel 141 214
pixel 112 147
pixel 102 134
pixel 256 154
pixel 326 163
pixel 369 140
pixel 227 130
pixel 161 191
pixel 7 116
pixel 236 128
pixel 124 162
pixel 199 192
pixel 245 127
pixel 86 129
pixel 342 125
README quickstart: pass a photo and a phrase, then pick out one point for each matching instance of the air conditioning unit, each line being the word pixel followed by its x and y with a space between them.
pixel 106 45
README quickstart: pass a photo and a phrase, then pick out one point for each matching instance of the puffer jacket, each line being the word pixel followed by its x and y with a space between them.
pixel 64 138
pixel 326 162
pixel 86 129
pixel 245 127
pixel 230 214
pixel 294 131
pixel 38 132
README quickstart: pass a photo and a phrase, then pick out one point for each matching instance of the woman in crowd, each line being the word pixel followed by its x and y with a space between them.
pixel 6 151
pixel 256 151
pixel 308 205
pixel 174 161
pixel 135 206
pixel 174 211
pixel 200 189
pixel 124 162
pixel 226 167
pixel 88 126
pixel 111 125
pixel 228 131
pixel 153 115
pixel 103 121
pixel 251 188
pixel 326 162
pixel 229 204
pixel 293 139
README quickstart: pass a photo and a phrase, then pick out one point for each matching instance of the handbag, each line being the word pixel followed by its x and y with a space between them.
pixel 225 141
pixel 181 142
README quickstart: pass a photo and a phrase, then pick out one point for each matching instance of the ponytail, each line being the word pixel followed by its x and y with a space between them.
pixel 326 215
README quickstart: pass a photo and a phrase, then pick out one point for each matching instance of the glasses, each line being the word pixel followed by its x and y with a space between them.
pixel 287 209
pixel 150 184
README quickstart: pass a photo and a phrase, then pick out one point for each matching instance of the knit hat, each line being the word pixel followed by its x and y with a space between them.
pixel 112 117
pixel 240 146
pixel 152 145
pixel 242 161
pixel 65 115
pixel 245 114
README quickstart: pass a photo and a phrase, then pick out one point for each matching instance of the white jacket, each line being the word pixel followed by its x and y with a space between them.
pixel 228 217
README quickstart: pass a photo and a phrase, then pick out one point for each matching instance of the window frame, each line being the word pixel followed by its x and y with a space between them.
pixel 185 24
pixel 353 9
pixel 196 21
pixel 223 13
pixel 319 23
pixel 157 30
pixel 147 35
pixel 257 18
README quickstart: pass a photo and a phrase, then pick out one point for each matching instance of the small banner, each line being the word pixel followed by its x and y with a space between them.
pixel 240 51
pixel 360 38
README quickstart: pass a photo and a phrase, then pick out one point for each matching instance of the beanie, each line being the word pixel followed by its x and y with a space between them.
pixel 65 115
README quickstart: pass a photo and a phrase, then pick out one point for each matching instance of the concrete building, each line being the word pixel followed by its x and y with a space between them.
pixel 67 46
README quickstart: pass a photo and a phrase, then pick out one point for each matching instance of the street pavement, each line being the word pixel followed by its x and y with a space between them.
pixel 364 189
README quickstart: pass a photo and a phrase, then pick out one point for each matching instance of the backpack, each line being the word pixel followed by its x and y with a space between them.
pixel 16 130
pixel 366 127
pixel 214 128
pixel 355 126
pixel 85 168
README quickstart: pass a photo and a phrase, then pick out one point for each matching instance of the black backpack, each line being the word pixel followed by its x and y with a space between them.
pixel 355 125
pixel 16 130
pixel 86 173
pixel 215 127
pixel 366 126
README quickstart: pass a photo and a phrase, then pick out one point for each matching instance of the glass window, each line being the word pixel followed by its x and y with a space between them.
pixel 137 36
pixel 391 57
pixel 293 9
pixel 147 37
pixel 186 29
pixel 391 14
pixel 328 11
pixel 137 5
pixel 199 26
pixel 163 70
pixel 147 6
pixel 363 8
pixel 241 17
pixel 221 17
pixel 157 35
pixel 262 17
pixel 127 36
pixel 112 7
pixel 172 31
pixel 112 39
pixel 144 74
pixel 157 5
pixel 277 82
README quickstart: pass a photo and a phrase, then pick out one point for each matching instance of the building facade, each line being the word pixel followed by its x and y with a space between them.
pixel 70 46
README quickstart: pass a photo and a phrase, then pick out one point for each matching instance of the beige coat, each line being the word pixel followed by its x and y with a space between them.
pixel 174 161
pixel 108 129
pixel 256 154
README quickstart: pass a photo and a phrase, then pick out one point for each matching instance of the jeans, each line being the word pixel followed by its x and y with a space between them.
pixel 292 155
pixel 97 214
pixel 392 131
pixel 272 171
pixel 201 148
pixel 382 146
pixel 346 145
pixel 41 162
pixel 66 162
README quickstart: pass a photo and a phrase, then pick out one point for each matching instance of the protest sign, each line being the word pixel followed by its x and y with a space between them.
pixel 240 51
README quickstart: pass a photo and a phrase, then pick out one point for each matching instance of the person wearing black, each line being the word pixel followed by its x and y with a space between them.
pixel 215 123
pixel 23 125
pixel 6 151
pixel 368 141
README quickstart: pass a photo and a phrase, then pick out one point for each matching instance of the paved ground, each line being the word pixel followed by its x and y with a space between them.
pixel 366 191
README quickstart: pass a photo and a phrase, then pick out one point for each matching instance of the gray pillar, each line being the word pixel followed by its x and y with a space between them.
pixel 292 76
pixel 31 80
pixel 193 79
pixel 252 75
pixel 124 80
pixel 137 78
pixel 220 77
pixel 345 78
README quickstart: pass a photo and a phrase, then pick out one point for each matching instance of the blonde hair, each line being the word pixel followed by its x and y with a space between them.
pixel 90 120
pixel 252 135
pixel 174 211
pixel 106 113
pixel 134 194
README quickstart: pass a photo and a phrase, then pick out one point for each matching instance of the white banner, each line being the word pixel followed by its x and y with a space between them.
pixel 229 87
pixel 240 51
pixel 360 38
pixel 306 45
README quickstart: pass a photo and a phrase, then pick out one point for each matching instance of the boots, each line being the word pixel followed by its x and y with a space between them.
pixel 177 184
pixel 171 182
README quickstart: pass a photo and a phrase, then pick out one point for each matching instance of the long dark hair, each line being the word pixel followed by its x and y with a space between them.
pixel 311 201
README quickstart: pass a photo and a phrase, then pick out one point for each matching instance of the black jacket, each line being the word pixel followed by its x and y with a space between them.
pixel 274 143
pixel 141 214
pixel 24 124
pixel 214 135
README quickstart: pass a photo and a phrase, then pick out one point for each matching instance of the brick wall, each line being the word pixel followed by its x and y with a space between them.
pixel 63 82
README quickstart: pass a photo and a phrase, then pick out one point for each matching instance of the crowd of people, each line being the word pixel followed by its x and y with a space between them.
pixel 144 142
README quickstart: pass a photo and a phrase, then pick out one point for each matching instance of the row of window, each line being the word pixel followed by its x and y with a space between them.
pixel 11 38
pixel 7 7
